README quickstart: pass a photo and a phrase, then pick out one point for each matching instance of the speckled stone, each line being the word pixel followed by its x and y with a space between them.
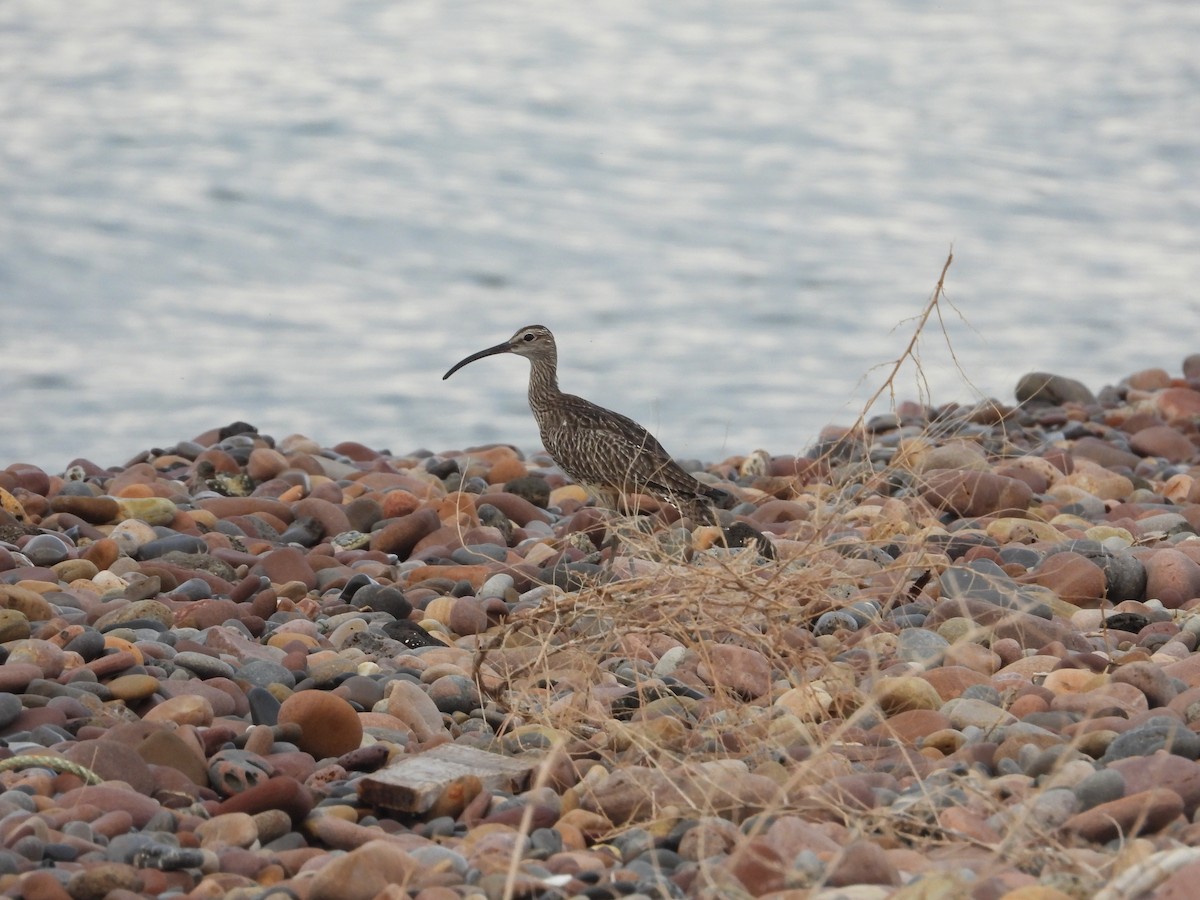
pixel 454 693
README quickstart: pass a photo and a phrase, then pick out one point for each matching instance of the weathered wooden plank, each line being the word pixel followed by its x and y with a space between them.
pixel 413 784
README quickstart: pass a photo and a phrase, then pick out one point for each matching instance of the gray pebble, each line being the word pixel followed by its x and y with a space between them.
pixel 633 842
pixel 434 857
pixel 496 587
pixel 1192 625
pixel 1100 787
pixel 124 848
pixel 1125 577
pixel 168 858
pixel 1157 733
pixel 184 543
pixel 163 821
pixel 193 589
pixel 1008 766
pixel 46 549
pixel 1022 555
pixel 384 598
pixel 30 847
pixel 14 800
pixel 646 869
pixel 158 649
pixel 1168 523
pixel 963 712
pixel 493 518
pixel 537 530
pixel 264 708
pixel 10 708
pixel 49 735
pixel 441 826
pixel 1047 760
pixel 544 843
pixel 984 692
pixel 81 830
pixel 805 871
pixel 865 611
pixel 475 485
pixel 479 553
pixel 982 579
pixel 353 586
pixel 204 666
pixel 293 840
pixel 659 859
pixel 834 621
pixel 55 852
pixel 454 693
pixel 1053 807
pixel 266 672
pixel 920 646
pixel 973 734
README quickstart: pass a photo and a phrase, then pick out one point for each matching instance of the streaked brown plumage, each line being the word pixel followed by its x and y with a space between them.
pixel 592 444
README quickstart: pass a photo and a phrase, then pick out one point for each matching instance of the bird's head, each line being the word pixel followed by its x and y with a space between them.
pixel 534 342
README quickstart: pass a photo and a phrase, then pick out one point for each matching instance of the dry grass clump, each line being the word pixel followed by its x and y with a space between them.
pixel 669 600
pixel 692 685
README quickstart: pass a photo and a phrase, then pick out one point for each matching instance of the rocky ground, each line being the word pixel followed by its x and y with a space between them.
pixel 968 671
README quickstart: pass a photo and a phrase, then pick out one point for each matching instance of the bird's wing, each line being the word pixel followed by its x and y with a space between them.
pixel 601 446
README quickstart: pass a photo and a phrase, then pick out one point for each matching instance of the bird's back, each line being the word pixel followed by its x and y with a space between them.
pixel 597 446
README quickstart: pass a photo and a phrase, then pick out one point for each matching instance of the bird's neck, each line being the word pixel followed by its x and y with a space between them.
pixel 543 384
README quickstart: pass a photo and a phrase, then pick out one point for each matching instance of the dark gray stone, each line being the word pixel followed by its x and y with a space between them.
pixel 46 549
pixel 264 673
pixel 175 543
pixel 835 620
pixel 10 708
pixel 264 708
pixel 1157 733
pixel 383 598
pixel 1045 389
pixel 1100 787
pixel 921 646
pixel 982 579
pixel 204 666
pixel 193 589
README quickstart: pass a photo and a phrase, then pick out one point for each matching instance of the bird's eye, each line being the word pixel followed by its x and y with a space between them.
pixel 529 336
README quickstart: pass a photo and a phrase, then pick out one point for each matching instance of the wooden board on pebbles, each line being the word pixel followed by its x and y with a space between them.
pixel 415 783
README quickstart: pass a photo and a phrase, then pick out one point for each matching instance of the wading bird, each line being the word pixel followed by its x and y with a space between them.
pixel 594 445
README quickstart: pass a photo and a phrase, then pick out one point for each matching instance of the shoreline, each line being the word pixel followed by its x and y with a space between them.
pixel 970 669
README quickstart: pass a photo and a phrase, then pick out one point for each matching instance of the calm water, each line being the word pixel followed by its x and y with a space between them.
pixel 301 214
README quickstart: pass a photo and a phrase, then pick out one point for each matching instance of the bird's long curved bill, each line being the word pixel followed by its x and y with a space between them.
pixel 490 351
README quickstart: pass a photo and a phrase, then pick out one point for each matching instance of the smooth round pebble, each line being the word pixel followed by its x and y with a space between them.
pixel 329 725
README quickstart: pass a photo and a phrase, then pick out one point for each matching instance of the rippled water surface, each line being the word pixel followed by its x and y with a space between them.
pixel 301 214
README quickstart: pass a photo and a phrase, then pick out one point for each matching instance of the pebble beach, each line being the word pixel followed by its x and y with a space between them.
pixel 947 653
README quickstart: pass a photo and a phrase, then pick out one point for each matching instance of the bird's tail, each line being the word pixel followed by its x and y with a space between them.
pixel 704 503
